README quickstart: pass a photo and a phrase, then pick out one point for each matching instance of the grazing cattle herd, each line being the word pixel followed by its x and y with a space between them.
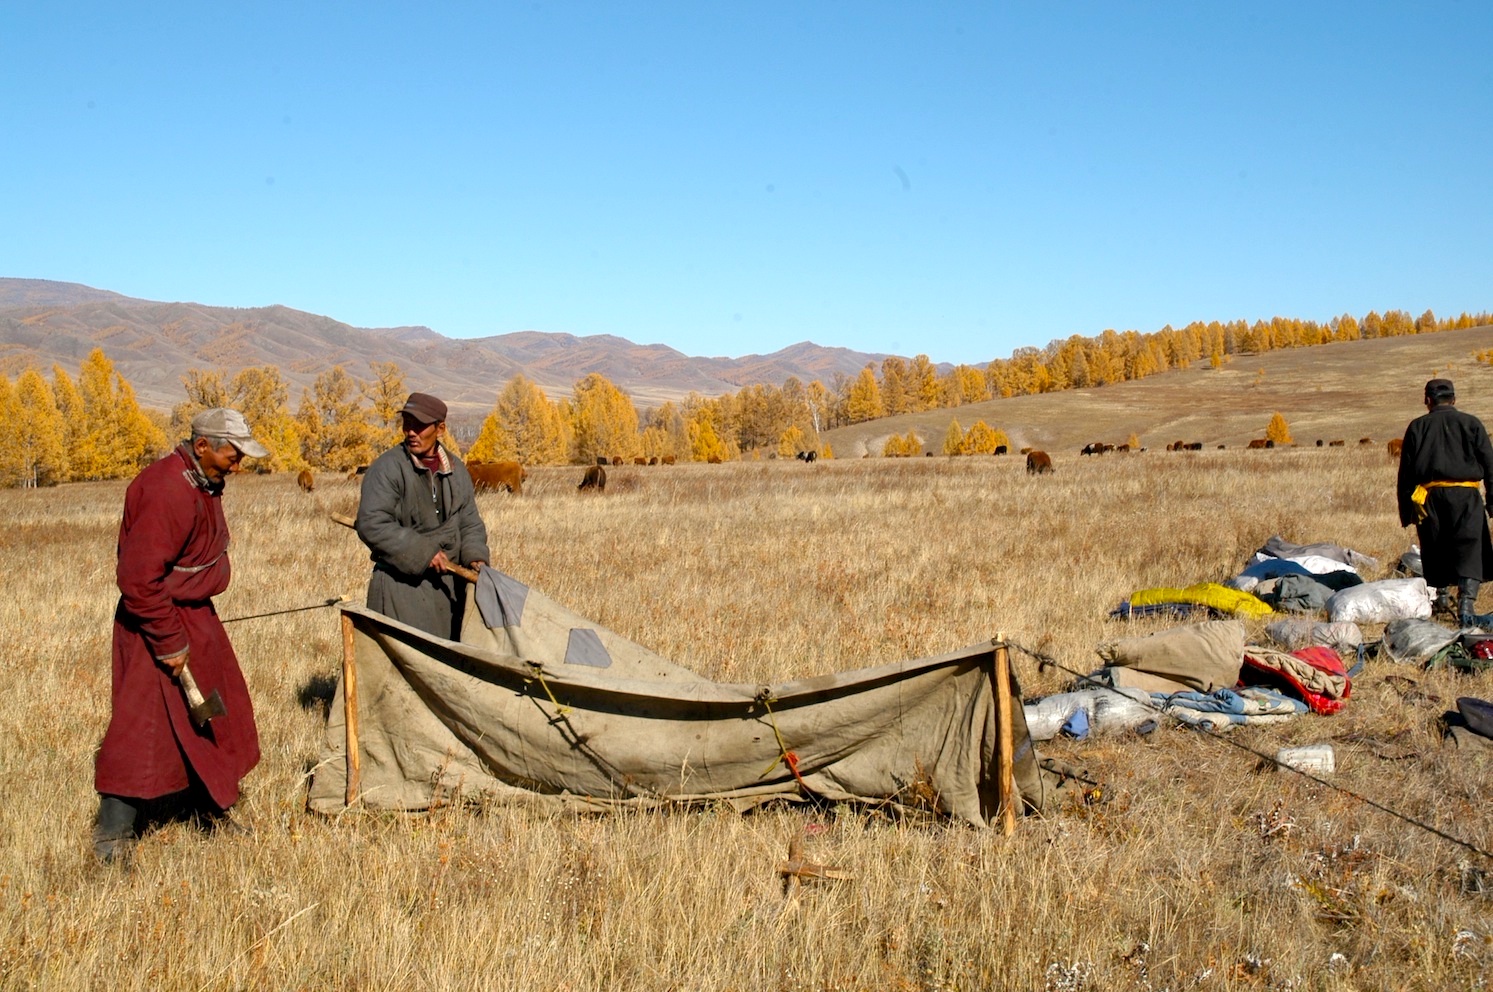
pixel 509 476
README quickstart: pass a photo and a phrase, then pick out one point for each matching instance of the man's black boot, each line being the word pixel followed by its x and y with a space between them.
pixel 114 830
pixel 1467 614
pixel 1444 605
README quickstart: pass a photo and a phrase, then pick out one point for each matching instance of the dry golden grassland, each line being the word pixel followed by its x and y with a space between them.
pixel 1346 391
pixel 1196 870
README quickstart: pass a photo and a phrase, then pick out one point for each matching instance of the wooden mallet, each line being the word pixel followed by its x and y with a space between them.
pixel 201 710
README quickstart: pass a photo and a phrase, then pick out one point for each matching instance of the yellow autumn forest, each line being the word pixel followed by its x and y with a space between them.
pixel 91 427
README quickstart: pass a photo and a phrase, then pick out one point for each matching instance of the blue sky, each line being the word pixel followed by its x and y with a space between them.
pixel 955 179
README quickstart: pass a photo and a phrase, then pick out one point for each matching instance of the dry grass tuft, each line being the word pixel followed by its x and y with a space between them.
pixel 1190 869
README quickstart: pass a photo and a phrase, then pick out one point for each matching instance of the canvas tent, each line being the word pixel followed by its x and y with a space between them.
pixel 543 706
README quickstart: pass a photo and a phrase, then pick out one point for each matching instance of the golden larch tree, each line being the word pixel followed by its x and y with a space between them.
pixel 1278 430
pixel 120 438
pixel 953 439
pixel 981 439
pixel 40 434
pixel 262 395
pixel 924 387
pixel 344 436
pixel 791 442
pixel 704 443
pixel 863 398
pixel 386 394
pixel 75 424
pixel 664 432
pixel 523 426
pixel 205 390
pixel 894 383
pixel 603 420
pixel 12 460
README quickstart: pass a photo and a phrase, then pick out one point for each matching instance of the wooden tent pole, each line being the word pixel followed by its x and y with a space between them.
pixel 1005 748
pixel 350 710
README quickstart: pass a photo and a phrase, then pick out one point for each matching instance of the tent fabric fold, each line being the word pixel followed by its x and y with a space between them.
pixel 551 709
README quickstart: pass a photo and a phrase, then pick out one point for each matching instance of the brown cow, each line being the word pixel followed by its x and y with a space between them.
pixel 616 459
pixel 1038 462
pixel 1336 444
pixel 1027 451
pixel 667 459
pixel 639 460
pixel 1365 441
pixel 498 475
pixel 653 460
pixel 595 478
pixel 713 460
pixel 1395 444
pixel 1259 442
pixel 306 480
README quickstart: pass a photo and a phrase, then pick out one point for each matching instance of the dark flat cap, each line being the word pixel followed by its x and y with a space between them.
pixel 1440 389
pixel 425 408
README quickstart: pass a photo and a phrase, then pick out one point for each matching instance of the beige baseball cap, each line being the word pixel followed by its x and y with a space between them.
pixel 231 426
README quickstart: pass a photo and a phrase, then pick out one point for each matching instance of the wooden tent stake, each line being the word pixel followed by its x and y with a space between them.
pixel 350 710
pixel 1005 749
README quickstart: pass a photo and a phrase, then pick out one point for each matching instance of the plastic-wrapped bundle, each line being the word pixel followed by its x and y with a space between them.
pixel 1415 642
pixel 1293 635
pixel 1110 711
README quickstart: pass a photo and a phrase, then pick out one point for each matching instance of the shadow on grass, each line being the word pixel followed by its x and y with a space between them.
pixel 317 693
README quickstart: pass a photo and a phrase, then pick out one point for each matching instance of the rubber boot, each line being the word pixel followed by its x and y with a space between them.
pixel 114 830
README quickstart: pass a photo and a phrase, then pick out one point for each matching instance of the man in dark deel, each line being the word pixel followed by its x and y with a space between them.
pixel 173 559
pixel 1445 458
pixel 418 516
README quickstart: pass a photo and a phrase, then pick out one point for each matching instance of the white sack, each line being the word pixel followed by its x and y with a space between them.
pixel 1381 602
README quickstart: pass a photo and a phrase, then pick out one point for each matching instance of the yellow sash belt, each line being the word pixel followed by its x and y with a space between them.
pixel 1418 497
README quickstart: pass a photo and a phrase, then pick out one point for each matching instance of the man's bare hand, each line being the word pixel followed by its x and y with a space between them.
pixel 440 562
pixel 175 664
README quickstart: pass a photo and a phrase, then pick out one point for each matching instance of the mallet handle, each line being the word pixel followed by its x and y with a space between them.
pixel 189 686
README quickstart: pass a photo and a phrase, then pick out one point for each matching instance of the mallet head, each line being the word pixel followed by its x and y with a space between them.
pixel 210 707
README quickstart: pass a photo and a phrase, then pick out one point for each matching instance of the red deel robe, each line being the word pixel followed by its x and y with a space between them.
pixel 171 527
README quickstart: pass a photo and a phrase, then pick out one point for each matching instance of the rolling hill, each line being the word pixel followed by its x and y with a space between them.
pixel 152 344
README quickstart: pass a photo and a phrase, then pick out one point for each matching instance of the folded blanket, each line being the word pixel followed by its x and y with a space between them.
pixel 1279 547
pixel 1316 674
pixel 1224 709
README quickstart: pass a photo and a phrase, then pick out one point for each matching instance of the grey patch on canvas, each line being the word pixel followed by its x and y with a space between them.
pixel 500 598
pixel 585 648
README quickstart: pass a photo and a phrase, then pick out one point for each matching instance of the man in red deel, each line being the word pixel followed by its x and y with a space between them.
pixel 173 559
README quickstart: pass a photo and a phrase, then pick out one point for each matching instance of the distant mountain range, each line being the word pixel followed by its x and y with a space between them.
pixel 152 344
